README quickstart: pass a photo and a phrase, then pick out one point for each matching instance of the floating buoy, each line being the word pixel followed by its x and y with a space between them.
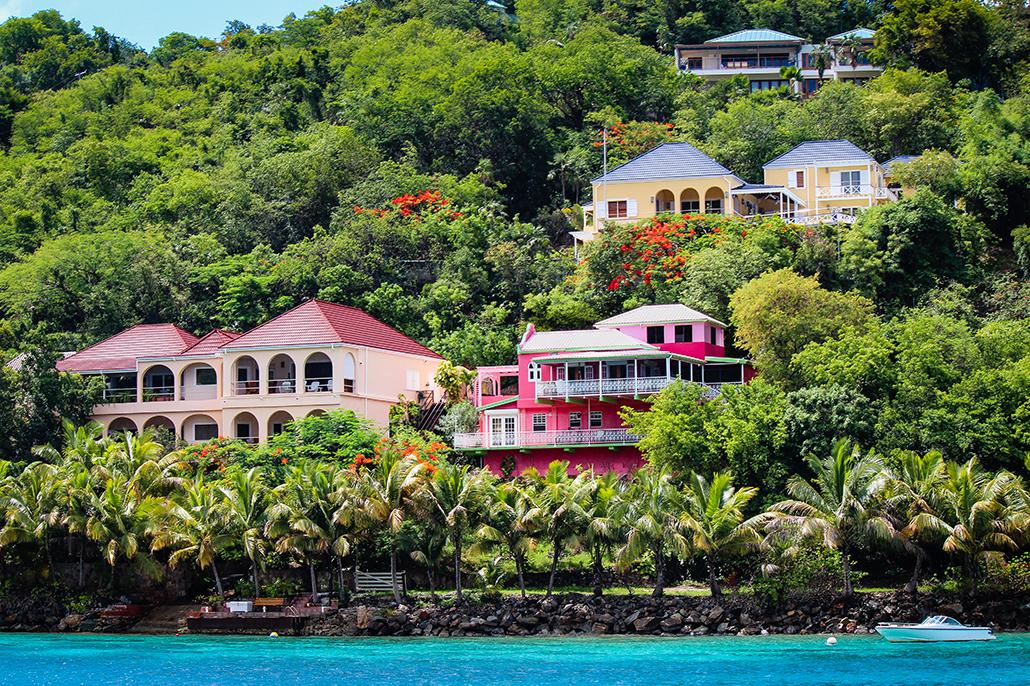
pixel 274 634
pixel 831 641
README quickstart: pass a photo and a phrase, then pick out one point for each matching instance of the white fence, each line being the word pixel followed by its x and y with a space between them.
pixel 378 581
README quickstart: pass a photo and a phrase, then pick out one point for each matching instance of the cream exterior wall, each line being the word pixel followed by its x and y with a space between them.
pixel 821 177
pixel 644 193
pixel 380 377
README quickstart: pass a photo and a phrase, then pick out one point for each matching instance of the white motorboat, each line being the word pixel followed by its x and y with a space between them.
pixel 936 628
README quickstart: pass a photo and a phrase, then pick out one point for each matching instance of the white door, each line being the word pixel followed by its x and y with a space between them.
pixel 502 431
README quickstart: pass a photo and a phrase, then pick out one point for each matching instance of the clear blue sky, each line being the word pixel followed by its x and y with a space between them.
pixel 145 21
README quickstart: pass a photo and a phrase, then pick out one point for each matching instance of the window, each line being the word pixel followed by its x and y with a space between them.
pixel 277 428
pixel 575 420
pixel 348 373
pixel 796 178
pixel 413 380
pixel 487 387
pixel 539 423
pixel 243 431
pixel 205 432
pixel 768 84
pixel 509 385
pixel 656 335
pixel 206 377
pixel 850 182
pixel 684 333
pixel 534 371
pixel 713 206
pixel 618 209
pixel 850 211
pixel 693 63
pixel 595 420
pixel 690 206
pixel 715 335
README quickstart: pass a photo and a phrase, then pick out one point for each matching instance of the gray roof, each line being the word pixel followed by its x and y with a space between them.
pixel 581 339
pixel 860 32
pixel 903 159
pixel 672 313
pixel 758 187
pixel 756 36
pixel 819 152
pixel 667 161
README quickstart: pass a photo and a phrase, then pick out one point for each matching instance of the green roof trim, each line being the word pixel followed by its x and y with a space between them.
pixel 499 403
pixel 728 360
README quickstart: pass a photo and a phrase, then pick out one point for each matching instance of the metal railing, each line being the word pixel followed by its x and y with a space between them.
pixel 582 387
pixel 282 385
pixel 120 395
pixel 158 393
pixel 246 387
pixel 521 439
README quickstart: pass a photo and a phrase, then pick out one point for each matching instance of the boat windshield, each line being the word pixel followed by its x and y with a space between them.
pixel 941 619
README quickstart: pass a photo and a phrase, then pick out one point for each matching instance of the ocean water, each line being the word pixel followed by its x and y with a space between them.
pixel 57 660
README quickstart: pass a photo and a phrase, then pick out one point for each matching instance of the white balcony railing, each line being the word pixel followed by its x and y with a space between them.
pixel 587 387
pixel 279 385
pixel 856 190
pixel 318 385
pixel 246 387
pixel 537 439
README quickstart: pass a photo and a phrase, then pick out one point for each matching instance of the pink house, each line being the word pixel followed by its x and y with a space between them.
pixel 562 399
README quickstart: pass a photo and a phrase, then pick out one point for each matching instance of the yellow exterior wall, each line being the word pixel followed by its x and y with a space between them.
pixel 821 177
pixel 645 192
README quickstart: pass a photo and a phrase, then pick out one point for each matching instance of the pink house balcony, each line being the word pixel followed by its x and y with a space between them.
pixel 545 439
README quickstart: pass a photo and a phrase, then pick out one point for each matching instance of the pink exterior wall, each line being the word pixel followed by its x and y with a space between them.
pixel 620 460
pixel 700 347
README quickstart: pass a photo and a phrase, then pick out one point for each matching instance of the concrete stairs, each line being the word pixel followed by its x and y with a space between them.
pixel 163 619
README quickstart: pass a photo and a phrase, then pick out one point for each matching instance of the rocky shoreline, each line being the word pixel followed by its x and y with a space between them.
pixel 576 614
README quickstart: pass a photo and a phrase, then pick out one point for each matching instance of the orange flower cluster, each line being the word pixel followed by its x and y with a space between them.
pixel 414 206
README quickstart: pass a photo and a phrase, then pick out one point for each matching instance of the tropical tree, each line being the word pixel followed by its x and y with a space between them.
pixel 246 503
pixel 31 508
pixel 563 517
pixel 195 527
pixel 605 508
pixel 792 75
pixel 455 494
pixel 387 488
pixel 714 515
pixel 851 46
pixel 978 517
pixel 513 519
pixel 841 505
pixel 425 545
pixel 653 523
pixel 119 523
pixel 918 485
pixel 822 58
pixel 76 497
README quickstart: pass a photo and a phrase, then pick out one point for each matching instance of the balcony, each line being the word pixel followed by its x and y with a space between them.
pixel 119 395
pixel 646 385
pixel 318 385
pixel 545 439
pixel 158 393
pixel 856 190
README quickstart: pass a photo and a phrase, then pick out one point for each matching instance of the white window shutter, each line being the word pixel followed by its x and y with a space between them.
pixel 864 175
pixel 792 178
pixel 835 179
pixel 413 380
pixel 600 210
pixel 631 208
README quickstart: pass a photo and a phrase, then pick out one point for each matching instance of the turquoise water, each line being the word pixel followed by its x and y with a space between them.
pixel 58 660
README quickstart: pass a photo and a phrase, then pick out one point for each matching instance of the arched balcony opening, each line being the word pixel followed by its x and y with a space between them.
pixel 158 384
pixel 282 374
pixel 690 203
pixel 245 427
pixel 122 425
pixel 198 382
pixel 318 373
pixel 246 376
pixel 315 413
pixel 198 428
pixel 713 200
pixel 664 201
pixel 163 428
pixel 349 373
pixel 278 421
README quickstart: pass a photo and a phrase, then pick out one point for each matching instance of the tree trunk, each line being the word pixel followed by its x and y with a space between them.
pixel 846 564
pixel 713 577
pixel 393 573
pixel 432 582
pixel 218 580
pixel 457 566
pixel 598 570
pixel 913 584
pixel 554 567
pixel 82 563
pixel 49 555
pixel 314 581
pixel 339 577
pixel 659 573
pixel 254 572
pixel 520 562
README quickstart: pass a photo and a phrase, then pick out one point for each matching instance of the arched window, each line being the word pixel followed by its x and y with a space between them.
pixel 487 387
pixel 348 373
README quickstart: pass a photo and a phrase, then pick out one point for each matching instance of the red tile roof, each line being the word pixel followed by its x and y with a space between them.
pixel 121 350
pixel 317 322
pixel 209 343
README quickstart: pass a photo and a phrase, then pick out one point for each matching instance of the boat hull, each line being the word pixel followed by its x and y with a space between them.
pixel 932 634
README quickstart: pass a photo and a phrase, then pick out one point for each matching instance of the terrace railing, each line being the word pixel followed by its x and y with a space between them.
pixel 158 393
pixel 537 439
pixel 281 385
pixel 318 385
pixel 645 385
pixel 849 190
pixel 246 387
pixel 119 395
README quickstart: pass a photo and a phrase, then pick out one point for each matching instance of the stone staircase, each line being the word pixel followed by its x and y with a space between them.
pixel 163 619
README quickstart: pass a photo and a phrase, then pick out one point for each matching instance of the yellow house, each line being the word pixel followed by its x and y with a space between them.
pixel 672 177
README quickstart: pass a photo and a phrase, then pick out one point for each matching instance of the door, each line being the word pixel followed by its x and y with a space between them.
pixel 502 431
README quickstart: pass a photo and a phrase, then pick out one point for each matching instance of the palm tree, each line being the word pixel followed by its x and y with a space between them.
pixel 918 487
pixel 605 508
pixel 851 45
pixel 246 502
pixel 196 529
pixel 75 504
pixel 653 522
pixel 387 488
pixel 455 495
pixel 822 58
pixel 563 518
pixel 979 514
pixel 513 520
pixel 119 523
pixel 714 514
pixel 31 508
pixel 792 75
pixel 841 505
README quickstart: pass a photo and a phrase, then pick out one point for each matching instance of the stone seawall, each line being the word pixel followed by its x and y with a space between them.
pixel 693 616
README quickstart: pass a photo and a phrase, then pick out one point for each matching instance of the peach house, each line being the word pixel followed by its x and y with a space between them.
pixel 562 398
pixel 317 357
